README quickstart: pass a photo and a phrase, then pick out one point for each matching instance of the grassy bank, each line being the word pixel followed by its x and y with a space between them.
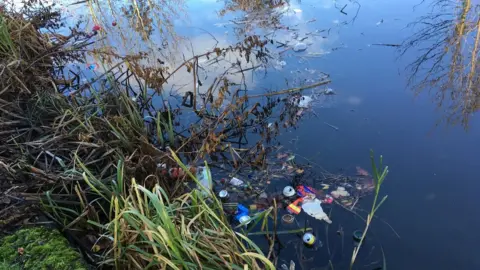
pixel 92 162
pixel 96 154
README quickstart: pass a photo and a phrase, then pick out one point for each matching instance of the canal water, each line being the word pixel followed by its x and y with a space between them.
pixel 430 219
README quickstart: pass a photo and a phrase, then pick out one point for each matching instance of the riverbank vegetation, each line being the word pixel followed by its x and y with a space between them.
pixel 114 169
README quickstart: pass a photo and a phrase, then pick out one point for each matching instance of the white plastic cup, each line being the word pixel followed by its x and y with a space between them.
pixel 288 191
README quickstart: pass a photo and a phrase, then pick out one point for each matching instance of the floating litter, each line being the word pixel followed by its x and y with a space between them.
pixel 328 199
pixel 236 182
pixel 314 209
pixel 287 218
pixel 242 214
pixel 244 219
pixel 288 191
pixel 357 235
pixel 293 208
pixel 300 47
pixel 305 102
pixel 92 66
pixel 223 194
pixel 329 91
pixel 309 239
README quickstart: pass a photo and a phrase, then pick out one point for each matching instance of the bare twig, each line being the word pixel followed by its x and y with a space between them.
pixel 291 90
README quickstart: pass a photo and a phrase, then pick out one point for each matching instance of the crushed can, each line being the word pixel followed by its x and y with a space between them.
pixel 309 239
pixel 223 194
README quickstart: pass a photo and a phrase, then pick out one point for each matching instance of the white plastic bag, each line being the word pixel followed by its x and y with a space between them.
pixel 314 209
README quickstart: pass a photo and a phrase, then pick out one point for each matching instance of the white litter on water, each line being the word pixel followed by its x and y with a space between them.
pixel 314 209
pixel 329 91
pixel 236 182
pixel 305 102
pixel 340 192
pixel 297 10
pixel 300 47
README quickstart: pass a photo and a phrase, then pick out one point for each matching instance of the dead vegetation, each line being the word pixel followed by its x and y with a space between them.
pixel 71 153
pixel 25 64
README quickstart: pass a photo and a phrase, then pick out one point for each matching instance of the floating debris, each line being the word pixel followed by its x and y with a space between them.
pixel 314 209
pixel 328 199
pixel 92 66
pixel 304 191
pixel 223 194
pixel 288 191
pixel 204 179
pixel 380 22
pixel 242 214
pixel 357 235
pixel 340 192
pixel 300 47
pixel 361 172
pixel 309 239
pixel 332 126
pixel 304 102
pixel 292 266
pixel 236 182
pixel 387 44
pixel 279 65
pixel 293 208
pixel 287 218
pixel 329 92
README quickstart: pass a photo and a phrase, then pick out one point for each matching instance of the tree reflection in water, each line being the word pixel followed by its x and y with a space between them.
pixel 448 41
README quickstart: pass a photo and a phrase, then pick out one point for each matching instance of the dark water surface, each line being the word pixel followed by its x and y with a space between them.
pixel 433 183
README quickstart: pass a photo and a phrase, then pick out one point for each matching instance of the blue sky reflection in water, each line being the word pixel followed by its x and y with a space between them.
pixel 432 185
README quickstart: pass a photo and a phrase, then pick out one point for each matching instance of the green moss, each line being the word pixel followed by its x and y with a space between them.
pixel 42 249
